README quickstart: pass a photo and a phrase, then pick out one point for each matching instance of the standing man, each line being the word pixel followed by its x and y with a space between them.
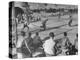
pixel 49 45
pixel 44 24
pixel 65 41
pixel 70 21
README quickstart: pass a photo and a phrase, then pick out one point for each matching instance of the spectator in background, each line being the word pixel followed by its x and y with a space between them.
pixel 44 24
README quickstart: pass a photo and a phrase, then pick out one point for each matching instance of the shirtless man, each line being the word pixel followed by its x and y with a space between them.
pixel 37 41
pixel 65 44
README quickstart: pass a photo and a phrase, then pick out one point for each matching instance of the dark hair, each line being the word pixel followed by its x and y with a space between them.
pixel 65 33
pixel 77 35
pixel 29 33
pixel 51 34
pixel 37 33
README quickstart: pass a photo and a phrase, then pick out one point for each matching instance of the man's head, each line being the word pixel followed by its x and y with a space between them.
pixel 51 34
pixel 37 33
pixel 77 35
pixel 29 34
pixel 65 33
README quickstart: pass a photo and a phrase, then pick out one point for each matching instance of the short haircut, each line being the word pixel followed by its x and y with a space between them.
pixel 77 35
pixel 65 33
pixel 37 33
pixel 51 34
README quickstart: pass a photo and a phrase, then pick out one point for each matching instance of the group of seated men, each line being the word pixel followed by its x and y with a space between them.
pixel 51 47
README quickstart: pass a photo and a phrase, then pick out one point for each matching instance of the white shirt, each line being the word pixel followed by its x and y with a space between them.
pixel 48 46
pixel 19 42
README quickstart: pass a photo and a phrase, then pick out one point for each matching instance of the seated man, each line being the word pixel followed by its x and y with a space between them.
pixel 29 40
pixel 58 47
pixel 26 46
pixel 65 41
pixel 49 45
pixel 65 44
pixel 37 41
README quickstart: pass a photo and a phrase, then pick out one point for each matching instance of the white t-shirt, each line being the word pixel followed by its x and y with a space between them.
pixel 49 46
